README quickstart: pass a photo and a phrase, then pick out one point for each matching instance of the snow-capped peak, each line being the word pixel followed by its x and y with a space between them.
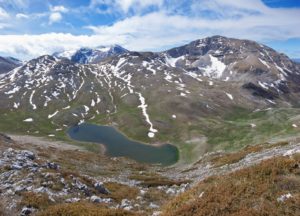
pixel 88 55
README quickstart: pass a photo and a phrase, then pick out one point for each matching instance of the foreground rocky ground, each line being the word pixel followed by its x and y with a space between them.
pixel 49 180
pixel 41 180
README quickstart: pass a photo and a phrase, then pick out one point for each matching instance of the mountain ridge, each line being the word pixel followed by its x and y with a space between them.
pixel 149 96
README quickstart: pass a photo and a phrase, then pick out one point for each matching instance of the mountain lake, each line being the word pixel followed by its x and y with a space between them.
pixel 118 145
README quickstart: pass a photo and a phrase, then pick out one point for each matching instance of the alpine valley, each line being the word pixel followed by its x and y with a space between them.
pixel 227 105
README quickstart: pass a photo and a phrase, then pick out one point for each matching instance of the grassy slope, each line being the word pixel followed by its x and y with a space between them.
pixel 230 132
pixel 250 191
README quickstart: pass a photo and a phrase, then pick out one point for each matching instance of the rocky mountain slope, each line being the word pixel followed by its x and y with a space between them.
pixel 36 179
pixel 214 93
pixel 39 180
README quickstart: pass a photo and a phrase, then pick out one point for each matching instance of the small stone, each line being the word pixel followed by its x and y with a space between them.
pixel 95 199
pixel 153 206
pixel 128 208
pixel 26 211
pixel 52 165
pixel 171 191
pixel 73 200
pixel 284 197
pixel 125 203
pixel 156 213
pixel 28 154
pixel 143 192
pixel 16 167
pixel 100 188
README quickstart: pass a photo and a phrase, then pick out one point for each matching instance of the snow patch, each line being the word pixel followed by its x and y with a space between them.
pixel 28 120
pixel 151 134
pixel 93 103
pixel 216 69
pixel 172 61
pixel 16 105
pixel 30 100
pixel 14 90
pixel 270 101
pixel 229 95
pixel 86 108
pixel 263 85
pixel 264 62
pixel 52 115
pixel 144 106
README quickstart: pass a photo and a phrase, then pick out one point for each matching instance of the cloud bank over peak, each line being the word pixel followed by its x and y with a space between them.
pixel 147 24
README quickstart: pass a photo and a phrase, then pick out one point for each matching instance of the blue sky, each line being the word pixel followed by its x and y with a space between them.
pixel 29 28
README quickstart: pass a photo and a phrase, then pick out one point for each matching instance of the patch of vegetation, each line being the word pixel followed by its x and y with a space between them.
pixel 156 180
pixel 236 131
pixel 230 131
pixel 83 209
pixel 35 200
pixel 251 191
pixel 121 191
pixel 235 157
pixel 154 195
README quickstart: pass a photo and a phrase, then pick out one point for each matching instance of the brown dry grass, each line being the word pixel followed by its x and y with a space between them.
pixel 154 180
pixel 156 196
pixel 251 191
pixel 83 209
pixel 35 200
pixel 121 191
pixel 2 210
pixel 234 157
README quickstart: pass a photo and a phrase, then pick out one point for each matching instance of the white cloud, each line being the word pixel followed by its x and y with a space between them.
pixel 55 17
pixel 160 28
pixel 125 5
pixel 15 4
pixel 3 14
pixel 30 46
pixel 59 8
pixel 56 13
pixel 164 28
pixel 137 4
pixel 4 25
pixel 22 16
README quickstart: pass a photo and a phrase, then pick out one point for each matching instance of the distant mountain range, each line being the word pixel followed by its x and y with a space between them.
pixel 296 60
pixel 8 63
pixel 219 90
pixel 89 55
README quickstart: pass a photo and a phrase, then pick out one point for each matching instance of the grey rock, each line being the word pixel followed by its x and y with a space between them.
pixel 100 188
pixel 26 211
pixel 52 165
pixel 28 154
pixel 95 199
